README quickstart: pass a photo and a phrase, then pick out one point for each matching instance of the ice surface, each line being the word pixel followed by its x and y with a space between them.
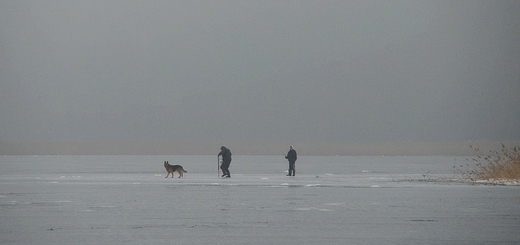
pixel 331 200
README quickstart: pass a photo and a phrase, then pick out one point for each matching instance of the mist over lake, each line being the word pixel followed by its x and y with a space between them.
pixel 122 76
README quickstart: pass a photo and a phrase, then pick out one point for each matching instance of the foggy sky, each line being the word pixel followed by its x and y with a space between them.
pixel 259 71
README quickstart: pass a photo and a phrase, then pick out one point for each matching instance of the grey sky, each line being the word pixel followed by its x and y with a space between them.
pixel 259 71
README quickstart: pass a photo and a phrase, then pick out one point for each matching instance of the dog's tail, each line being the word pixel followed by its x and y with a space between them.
pixel 182 169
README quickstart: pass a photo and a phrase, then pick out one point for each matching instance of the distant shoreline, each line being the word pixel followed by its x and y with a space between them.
pixel 240 148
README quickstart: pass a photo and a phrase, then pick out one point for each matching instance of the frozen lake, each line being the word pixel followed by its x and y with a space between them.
pixel 331 200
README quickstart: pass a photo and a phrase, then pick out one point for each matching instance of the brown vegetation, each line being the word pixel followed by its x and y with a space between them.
pixel 497 167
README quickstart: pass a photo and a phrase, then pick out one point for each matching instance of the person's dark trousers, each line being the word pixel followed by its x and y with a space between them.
pixel 292 171
pixel 225 169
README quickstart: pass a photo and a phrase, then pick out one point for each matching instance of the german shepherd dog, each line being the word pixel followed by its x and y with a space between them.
pixel 173 168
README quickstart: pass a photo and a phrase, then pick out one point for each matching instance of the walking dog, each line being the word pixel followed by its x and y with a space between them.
pixel 173 168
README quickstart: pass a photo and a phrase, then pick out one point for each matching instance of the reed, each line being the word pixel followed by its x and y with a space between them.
pixel 497 167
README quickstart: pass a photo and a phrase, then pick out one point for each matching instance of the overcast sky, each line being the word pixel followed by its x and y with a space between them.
pixel 259 71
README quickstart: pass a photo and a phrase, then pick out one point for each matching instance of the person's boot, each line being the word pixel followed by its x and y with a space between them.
pixel 293 172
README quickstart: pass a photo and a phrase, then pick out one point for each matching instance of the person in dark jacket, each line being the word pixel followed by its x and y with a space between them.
pixel 291 156
pixel 226 160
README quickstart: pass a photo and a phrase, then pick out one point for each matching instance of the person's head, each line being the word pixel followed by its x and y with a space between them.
pixel 222 148
pixel 291 147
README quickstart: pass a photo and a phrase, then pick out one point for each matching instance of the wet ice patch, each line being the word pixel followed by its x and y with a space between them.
pixel 94 208
pixel 312 185
pixel 304 209
pixel 334 204
pixel 314 209
pixel 372 178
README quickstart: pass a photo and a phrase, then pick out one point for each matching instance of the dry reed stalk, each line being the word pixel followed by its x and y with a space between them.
pixel 496 168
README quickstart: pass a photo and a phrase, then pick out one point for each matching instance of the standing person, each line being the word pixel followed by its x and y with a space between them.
pixel 291 156
pixel 226 160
